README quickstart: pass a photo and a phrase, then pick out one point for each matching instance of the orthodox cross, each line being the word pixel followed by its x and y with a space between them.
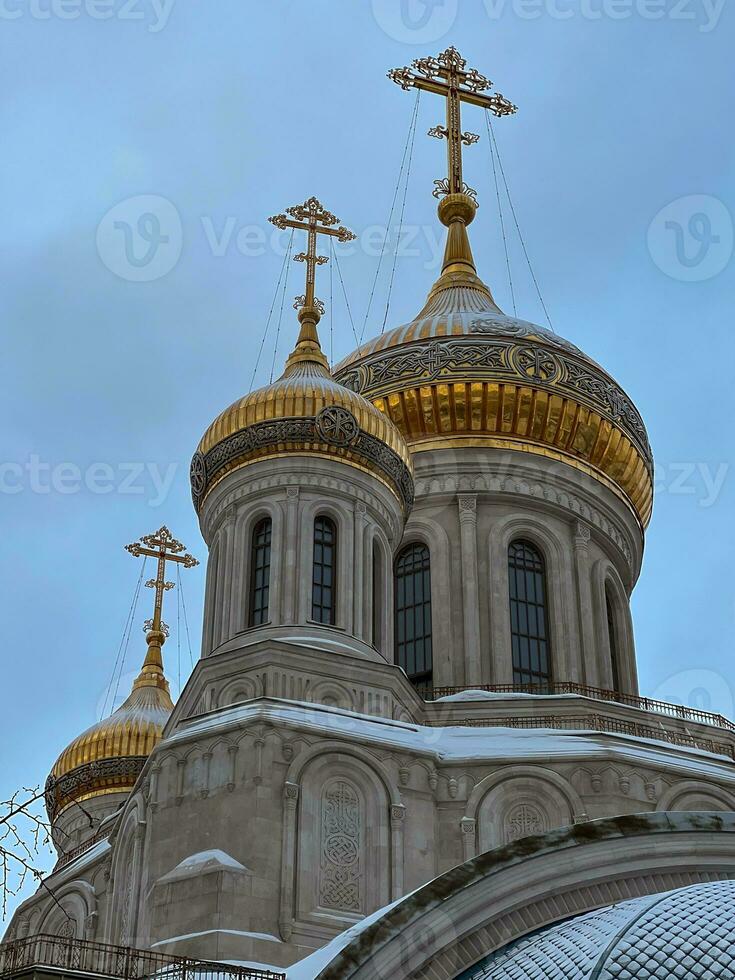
pixel 314 219
pixel 447 75
pixel 163 546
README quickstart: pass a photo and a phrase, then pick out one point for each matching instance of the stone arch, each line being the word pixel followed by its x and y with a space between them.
pixel 235 691
pixel 444 631
pixel 693 795
pixel 380 621
pixel 341 514
pixel 333 695
pixel 210 597
pixel 126 868
pixel 342 827
pixel 606 579
pixel 71 916
pixel 447 925
pixel 249 514
pixel 312 752
pixel 519 802
pixel 563 631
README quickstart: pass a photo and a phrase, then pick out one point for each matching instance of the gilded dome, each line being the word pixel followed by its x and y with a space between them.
pixel 462 373
pixel 304 412
pixel 109 756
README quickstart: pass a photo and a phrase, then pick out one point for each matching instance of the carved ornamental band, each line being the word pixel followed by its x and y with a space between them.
pixel 333 425
pixel 492 358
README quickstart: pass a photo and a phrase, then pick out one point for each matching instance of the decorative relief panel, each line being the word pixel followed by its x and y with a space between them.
pixel 524 820
pixel 340 873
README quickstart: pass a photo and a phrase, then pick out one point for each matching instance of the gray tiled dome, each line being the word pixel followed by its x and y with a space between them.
pixel 687 934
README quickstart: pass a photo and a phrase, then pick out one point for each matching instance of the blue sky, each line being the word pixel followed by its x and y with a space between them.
pixel 621 166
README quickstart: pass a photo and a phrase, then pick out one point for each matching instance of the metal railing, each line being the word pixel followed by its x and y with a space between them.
pixel 69 856
pixel 679 711
pixel 600 723
pixel 122 962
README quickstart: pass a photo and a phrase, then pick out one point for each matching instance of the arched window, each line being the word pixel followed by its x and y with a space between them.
pixel 612 636
pixel 260 572
pixel 413 613
pixel 377 622
pixel 529 622
pixel 324 585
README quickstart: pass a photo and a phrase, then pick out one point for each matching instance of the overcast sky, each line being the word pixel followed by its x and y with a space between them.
pixel 126 331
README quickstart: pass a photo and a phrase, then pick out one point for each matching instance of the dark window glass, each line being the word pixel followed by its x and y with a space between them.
pixel 413 613
pixel 324 586
pixel 377 596
pixel 612 635
pixel 528 615
pixel 260 572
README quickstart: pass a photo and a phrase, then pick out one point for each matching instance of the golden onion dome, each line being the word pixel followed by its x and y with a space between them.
pixel 463 374
pixel 304 412
pixel 110 755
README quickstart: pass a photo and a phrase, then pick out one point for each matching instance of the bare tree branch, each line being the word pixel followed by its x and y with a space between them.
pixel 24 835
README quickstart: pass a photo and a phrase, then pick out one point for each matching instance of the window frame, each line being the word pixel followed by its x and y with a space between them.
pixel 402 643
pixel 258 611
pixel 530 642
pixel 318 608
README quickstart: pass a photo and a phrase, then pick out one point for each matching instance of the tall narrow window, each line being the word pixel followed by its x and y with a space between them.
pixel 260 572
pixel 324 586
pixel 528 615
pixel 612 635
pixel 377 631
pixel 413 613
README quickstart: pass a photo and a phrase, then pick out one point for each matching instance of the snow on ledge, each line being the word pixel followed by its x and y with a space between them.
pixel 266 936
pixel 204 862
pixel 478 695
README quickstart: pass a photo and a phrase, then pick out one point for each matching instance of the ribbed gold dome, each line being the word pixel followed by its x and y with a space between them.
pixel 108 756
pixel 462 374
pixel 304 412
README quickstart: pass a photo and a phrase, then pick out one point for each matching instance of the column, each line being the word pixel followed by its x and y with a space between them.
pixel 290 552
pixel 589 670
pixel 467 503
pixel 288 859
pixel 360 583
pixel 397 821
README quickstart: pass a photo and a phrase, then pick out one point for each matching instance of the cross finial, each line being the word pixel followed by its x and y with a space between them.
pixel 447 75
pixel 313 218
pixel 162 546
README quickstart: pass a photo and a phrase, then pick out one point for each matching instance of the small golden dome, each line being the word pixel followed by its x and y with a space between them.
pixel 304 412
pixel 110 755
pixel 462 374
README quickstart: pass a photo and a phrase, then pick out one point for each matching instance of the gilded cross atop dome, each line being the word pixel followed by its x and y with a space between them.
pixel 313 218
pixel 447 75
pixel 164 547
